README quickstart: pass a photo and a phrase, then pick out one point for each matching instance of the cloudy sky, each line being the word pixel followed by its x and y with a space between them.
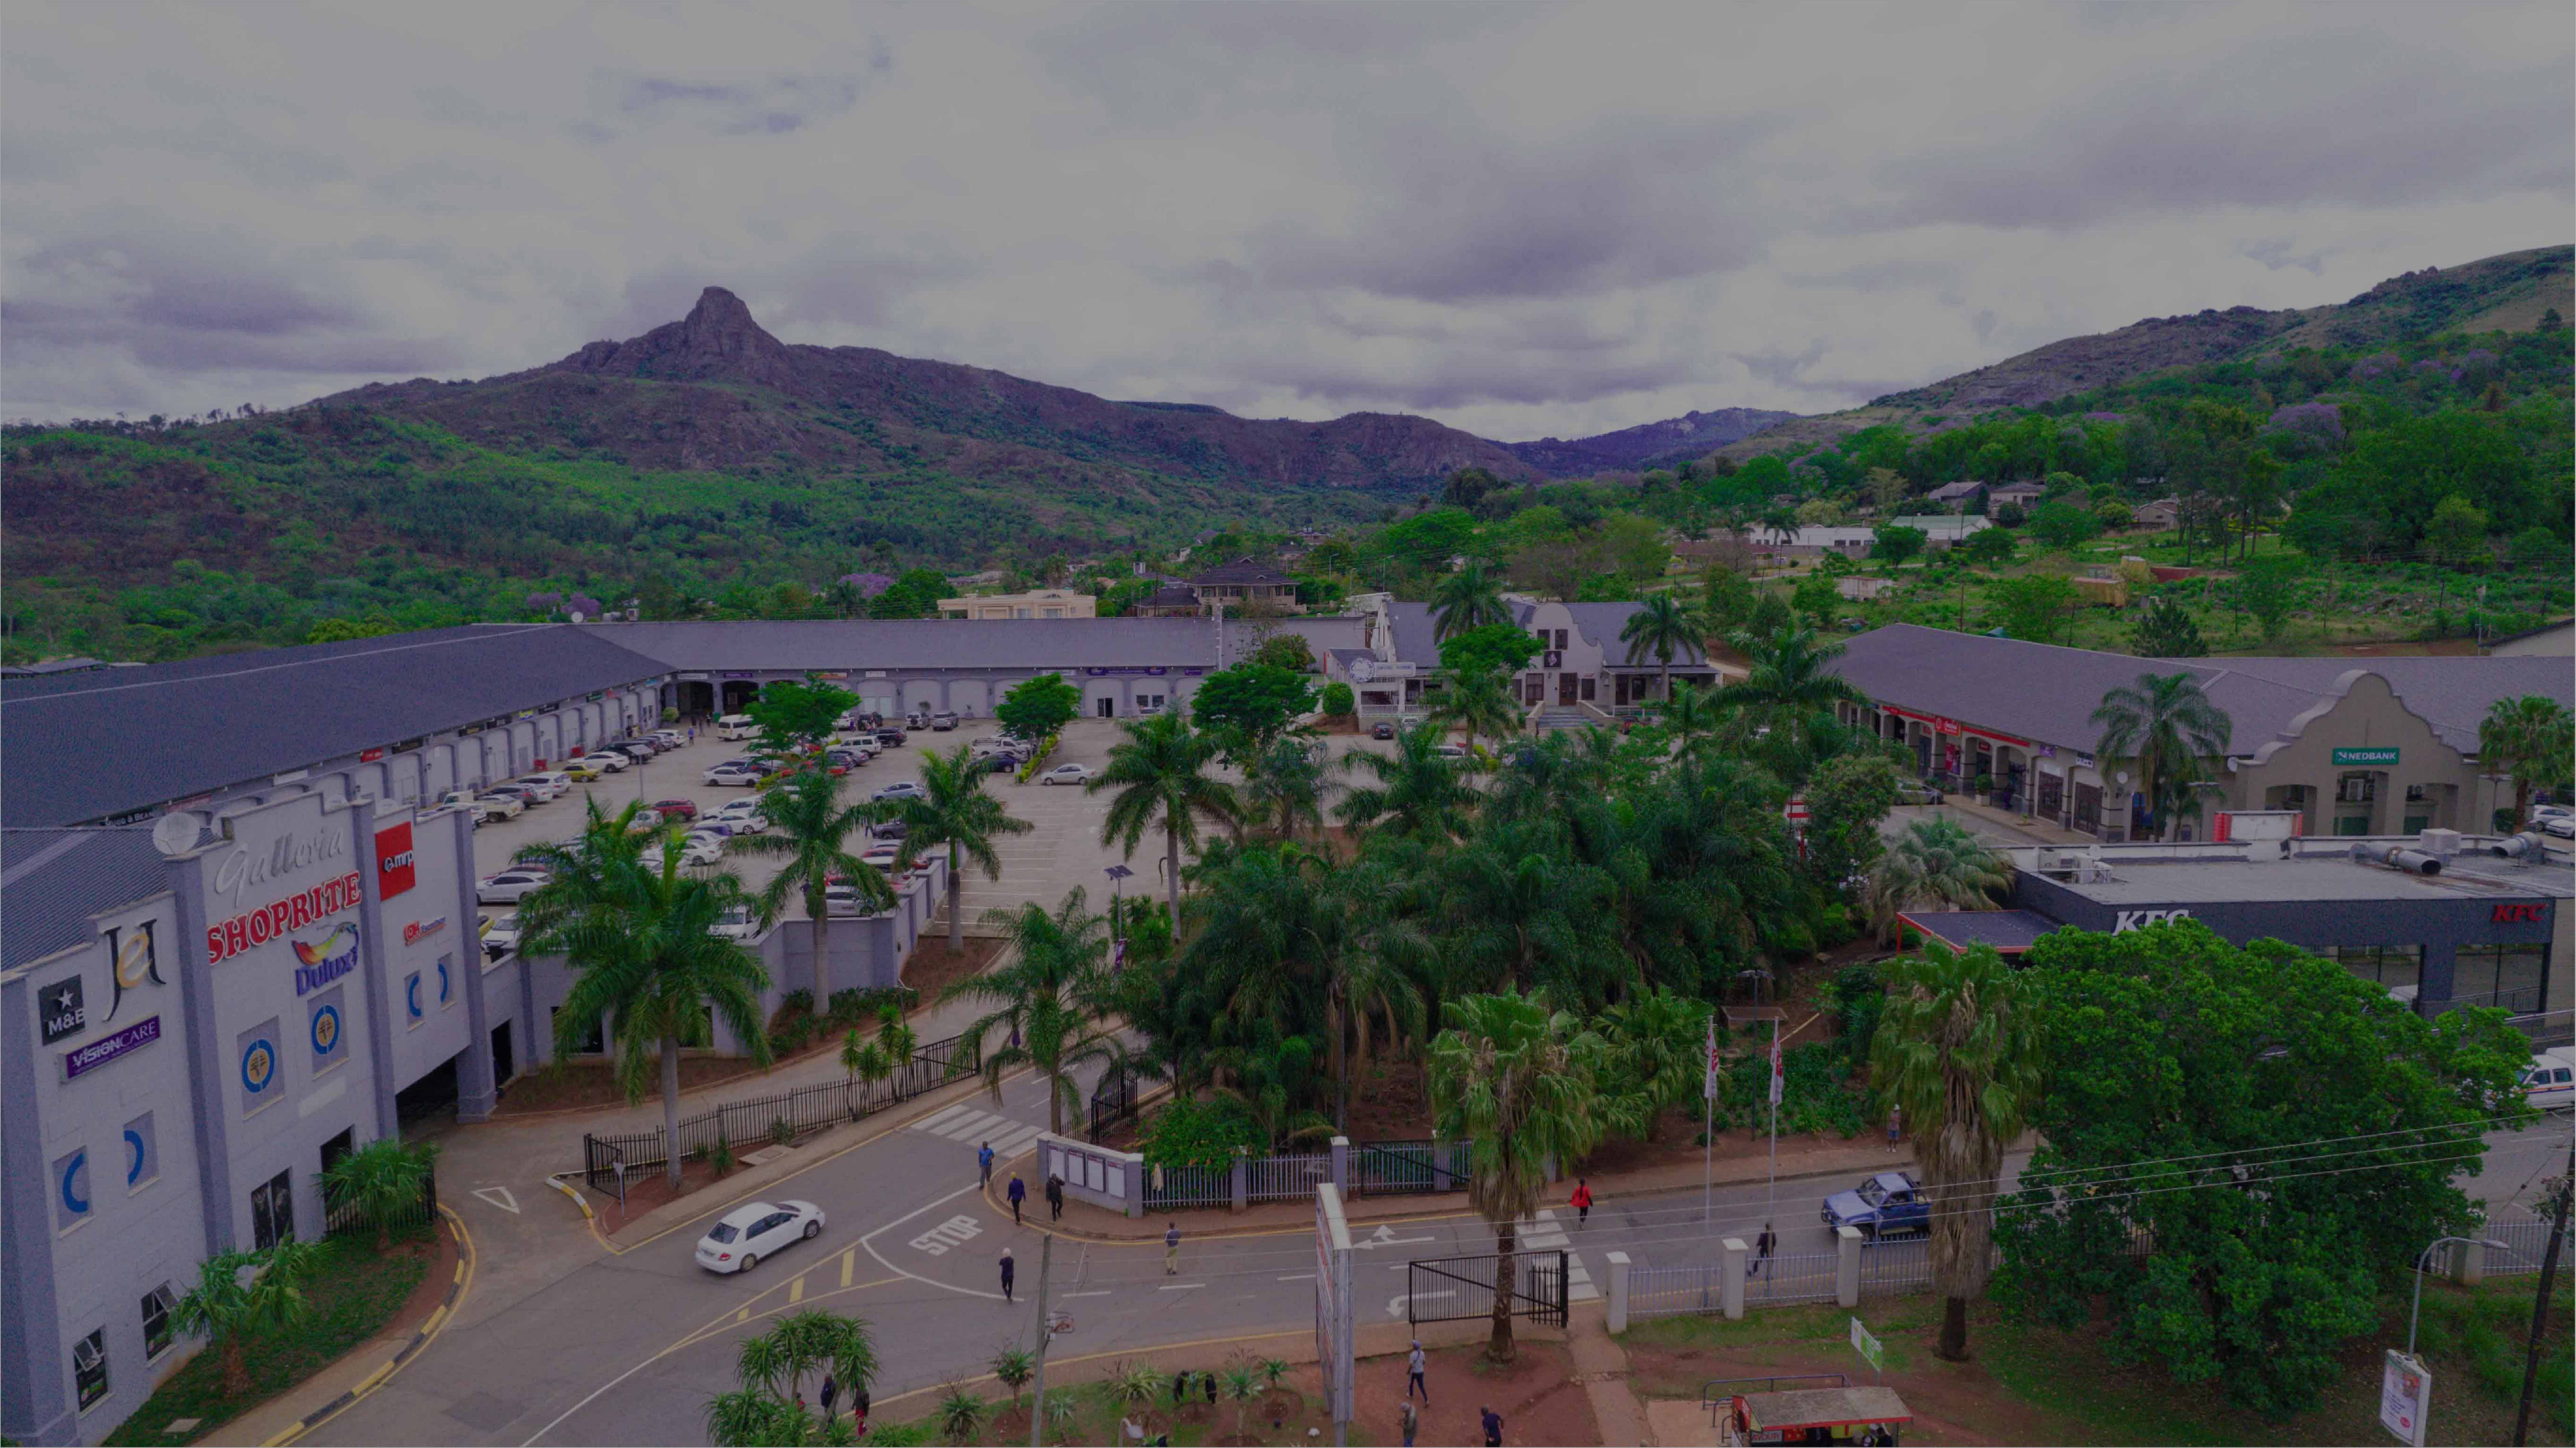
pixel 1522 220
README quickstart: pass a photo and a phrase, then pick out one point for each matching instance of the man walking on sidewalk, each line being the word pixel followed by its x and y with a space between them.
pixel 1010 1270
pixel 1762 1246
pixel 1894 1115
pixel 1172 1250
pixel 984 1165
pixel 1410 1420
pixel 1413 1379
pixel 1018 1193
pixel 1582 1204
pixel 1055 1198
pixel 1493 1423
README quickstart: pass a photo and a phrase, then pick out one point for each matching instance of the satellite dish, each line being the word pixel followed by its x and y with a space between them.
pixel 176 834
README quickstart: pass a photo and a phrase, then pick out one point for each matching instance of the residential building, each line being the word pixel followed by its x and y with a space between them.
pixel 1958 495
pixel 1036 603
pixel 2024 496
pixel 1247 586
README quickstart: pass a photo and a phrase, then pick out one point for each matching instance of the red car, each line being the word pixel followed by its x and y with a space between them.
pixel 676 809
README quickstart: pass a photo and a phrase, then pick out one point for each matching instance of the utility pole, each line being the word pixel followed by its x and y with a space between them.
pixel 2566 1187
pixel 1046 1334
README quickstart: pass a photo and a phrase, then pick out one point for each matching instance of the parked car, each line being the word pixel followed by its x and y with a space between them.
pixel 742 774
pixel 495 805
pixel 889 830
pixel 615 759
pixel 736 923
pixel 883 854
pixel 999 763
pixel 500 935
pixel 891 738
pixel 1408 721
pixel 669 738
pixel 639 750
pixel 510 886
pixel 586 768
pixel 941 723
pixel 1914 792
pixel 840 897
pixel 676 809
pixel 1382 729
pixel 743 817
pixel 554 781
pixel 741 1237
pixel 525 795
pixel 1887 1202
pixel 702 849
pixel 1069 774
pixel 646 821
pixel 2560 827
pixel 1450 751
pixel 904 789
pixel 2550 1081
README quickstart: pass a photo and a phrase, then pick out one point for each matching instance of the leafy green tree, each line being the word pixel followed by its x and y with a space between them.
pixel 1987 546
pixel 1036 708
pixel 1652 1058
pixel 1500 647
pixel 1726 599
pixel 2456 534
pixel 1466 600
pixel 1284 787
pixel 1790 690
pixel 1415 792
pixel 345 630
pixel 1248 706
pixel 2165 730
pixel 384 1180
pixel 2532 739
pixel 1337 701
pixel 2177 1191
pixel 768 1405
pixel 1052 997
pixel 1160 773
pixel 1939 860
pixel 2063 525
pixel 1661 628
pixel 915 595
pixel 954 812
pixel 1517 1080
pixel 1894 545
pixel 1636 546
pixel 794 715
pixel 2037 608
pixel 2265 588
pixel 1958 1050
pixel 2165 631
pixel 1285 650
pixel 1426 541
pixel 1817 599
pixel 1482 703
pixel 809 834
pixel 1848 798
pixel 646 960
pixel 241 1297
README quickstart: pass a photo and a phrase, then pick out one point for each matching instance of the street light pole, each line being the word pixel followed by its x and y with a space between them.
pixel 2421 1260
pixel 1117 940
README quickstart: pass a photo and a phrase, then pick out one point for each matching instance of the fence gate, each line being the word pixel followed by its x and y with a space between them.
pixel 1458 1289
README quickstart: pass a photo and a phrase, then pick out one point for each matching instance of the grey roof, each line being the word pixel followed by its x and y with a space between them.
pixel 95 745
pixel 1601 622
pixel 794 646
pixel 53 881
pixel 1240 572
pixel 2008 931
pixel 1413 628
pixel 2324 878
pixel 2047 694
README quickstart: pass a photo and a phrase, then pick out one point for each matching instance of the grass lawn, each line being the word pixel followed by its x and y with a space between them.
pixel 352 1297
pixel 2030 1384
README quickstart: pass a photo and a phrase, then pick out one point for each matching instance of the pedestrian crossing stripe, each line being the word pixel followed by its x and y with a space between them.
pixel 970 1125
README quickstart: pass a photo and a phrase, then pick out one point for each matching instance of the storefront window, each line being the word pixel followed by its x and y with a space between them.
pixel 2391 967
pixel 2515 977
pixel 158 1304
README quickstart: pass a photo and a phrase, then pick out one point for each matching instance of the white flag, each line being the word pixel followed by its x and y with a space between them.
pixel 1708 1083
pixel 1777 1083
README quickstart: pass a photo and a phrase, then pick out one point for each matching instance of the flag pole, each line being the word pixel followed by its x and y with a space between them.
pixel 1708 1120
pixel 1771 1202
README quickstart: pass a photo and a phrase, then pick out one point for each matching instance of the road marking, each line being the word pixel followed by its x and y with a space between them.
pixel 869 1243
pixel 849 1265
pixel 743 1316
pixel 933 1119
pixel 1102 1292
pixel 499 1197
pixel 955 1232
pixel 796 1290
pixel 1299 1277
pixel 1180 1287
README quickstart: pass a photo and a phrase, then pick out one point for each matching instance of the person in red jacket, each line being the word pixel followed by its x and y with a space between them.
pixel 1582 1202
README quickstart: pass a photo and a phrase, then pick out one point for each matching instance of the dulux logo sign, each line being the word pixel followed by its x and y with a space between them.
pixel 334 957
pixel 2140 919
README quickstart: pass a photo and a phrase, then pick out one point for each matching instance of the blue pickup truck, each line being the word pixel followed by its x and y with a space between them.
pixel 1887 1203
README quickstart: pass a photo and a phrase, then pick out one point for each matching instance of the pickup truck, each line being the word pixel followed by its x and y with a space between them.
pixel 1887 1202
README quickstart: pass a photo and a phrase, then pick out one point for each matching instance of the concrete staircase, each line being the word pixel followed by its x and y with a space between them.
pixel 1568 717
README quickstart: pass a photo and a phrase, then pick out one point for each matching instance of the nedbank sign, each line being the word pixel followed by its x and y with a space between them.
pixel 2343 757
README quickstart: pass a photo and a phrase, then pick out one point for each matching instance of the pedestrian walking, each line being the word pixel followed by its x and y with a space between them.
pixel 984 1164
pixel 1010 1270
pixel 1762 1246
pixel 1410 1419
pixel 1209 1380
pixel 1180 1387
pixel 830 1391
pixel 1055 1198
pixel 859 1413
pixel 1413 1380
pixel 1894 1113
pixel 1493 1422
pixel 1018 1193
pixel 1172 1250
pixel 1582 1204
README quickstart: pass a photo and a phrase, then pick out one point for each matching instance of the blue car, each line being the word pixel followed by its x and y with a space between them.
pixel 1888 1202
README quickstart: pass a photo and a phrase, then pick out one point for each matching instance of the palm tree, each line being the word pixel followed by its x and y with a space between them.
pixel 1052 996
pixel 384 1179
pixel 961 1414
pixel 1469 598
pixel 2166 729
pixel 243 1295
pixel 1652 1048
pixel 1788 688
pixel 768 1405
pixel 1160 773
pixel 1417 793
pixel 864 1061
pixel 1662 626
pixel 2530 739
pixel 1285 787
pixel 1516 1080
pixel 1938 860
pixel 1958 1051
pixel 812 831
pixel 1691 715
pixel 955 811
pixel 1481 702
pixel 647 959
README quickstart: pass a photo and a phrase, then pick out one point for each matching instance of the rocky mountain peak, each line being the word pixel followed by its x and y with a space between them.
pixel 718 340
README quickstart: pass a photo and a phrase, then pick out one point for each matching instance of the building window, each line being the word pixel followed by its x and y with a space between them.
pixel 446 982
pixel 158 1304
pixel 2514 977
pixel 2357 788
pixel 272 1212
pixel 142 1154
pixel 89 1368
pixel 70 1181
pixel 262 1074
pixel 411 1001
pixel 2390 967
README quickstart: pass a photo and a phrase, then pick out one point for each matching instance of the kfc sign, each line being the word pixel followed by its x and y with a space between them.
pixel 394 872
pixel 2140 919
pixel 2531 912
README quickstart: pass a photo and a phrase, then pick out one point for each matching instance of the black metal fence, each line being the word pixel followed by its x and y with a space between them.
pixel 344 1218
pixel 1457 1289
pixel 1408 1168
pixel 783 1116
pixel 1112 1101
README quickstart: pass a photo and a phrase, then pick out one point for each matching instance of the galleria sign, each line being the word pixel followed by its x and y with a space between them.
pixel 240 869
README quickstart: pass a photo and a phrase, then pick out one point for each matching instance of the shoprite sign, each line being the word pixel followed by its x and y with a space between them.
pixel 2344 757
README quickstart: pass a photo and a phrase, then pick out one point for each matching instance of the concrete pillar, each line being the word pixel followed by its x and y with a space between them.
pixel 34 1406
pixel 1618 1292
pixel 1342 1166
pixel 1847 1266
pixel 2469 1263
pixel 1242 1179
pixel 477 1088
pixel 1134 1167
pixel 1730 1290
pixel 374 968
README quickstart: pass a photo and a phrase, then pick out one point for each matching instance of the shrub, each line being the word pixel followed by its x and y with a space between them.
pixel 1199 1133
pixel 1338 701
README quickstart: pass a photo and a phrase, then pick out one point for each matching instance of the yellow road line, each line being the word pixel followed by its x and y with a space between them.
pixel 437 1323
pixel 849 1265
pixel 796 1291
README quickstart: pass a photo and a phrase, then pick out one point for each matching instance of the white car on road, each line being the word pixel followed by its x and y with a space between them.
pixel 742 817
pixel 509 887
pixel 702 848
pixel 743 774
pixel 1069 774
pixel 2550 1083
pixel 906 790
pixel 754 1230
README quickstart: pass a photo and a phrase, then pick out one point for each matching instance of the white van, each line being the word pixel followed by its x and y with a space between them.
pixel 736 726
pixel 2550 1082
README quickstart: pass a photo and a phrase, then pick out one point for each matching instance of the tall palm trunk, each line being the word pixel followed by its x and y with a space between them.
pixel 1172 877
pixel 1963 1164
pixel 1055 1102
pixel 1340 1018
pixel 1500 1347
pixel 671 1111
pixel 956 906
pixel 820 908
